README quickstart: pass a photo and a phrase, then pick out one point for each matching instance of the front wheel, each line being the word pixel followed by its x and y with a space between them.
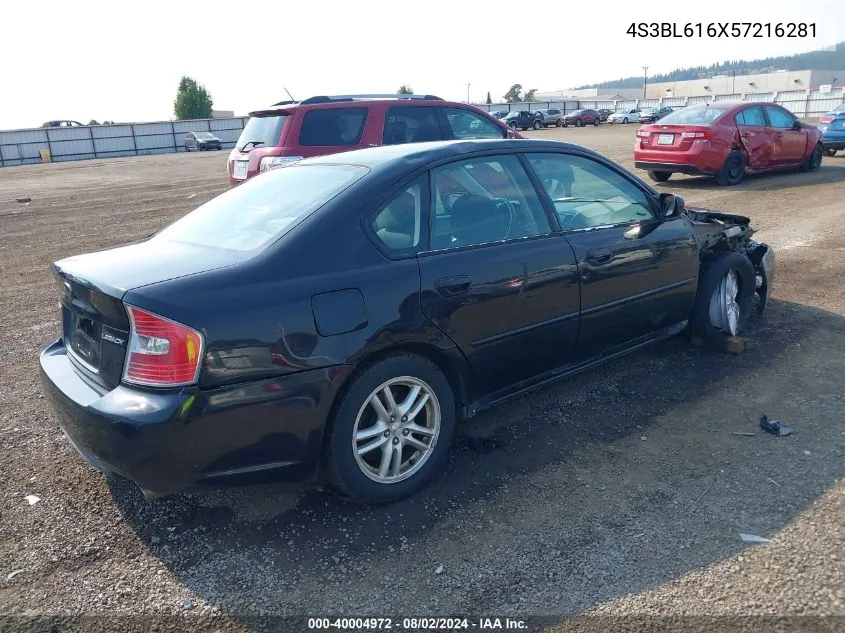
pixel 596 122
pixel 659 176
pixel 733 169
pixel 725 295
pixel 559 123
pixel 391 430
pixel 579 123
pixel 513 126
pixel 625 120
pixel 814 160
pixel 537 125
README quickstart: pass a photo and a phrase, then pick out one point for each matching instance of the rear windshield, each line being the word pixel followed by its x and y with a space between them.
pixel 258 212
pixel 263 130
pixel 695 115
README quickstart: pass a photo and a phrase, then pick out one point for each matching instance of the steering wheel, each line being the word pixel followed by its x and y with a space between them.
pixel 507 204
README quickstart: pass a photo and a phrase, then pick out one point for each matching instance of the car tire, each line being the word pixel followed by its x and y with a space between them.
pixel 512 125
pixel 733 169
pixel 722 305
pixel 579 123
pixel 596 122
pixel 625 120
pixel 559 123
pixel 659 176
pixel 537 125
pixel 830 151
pixel 354 474
pixel 814 160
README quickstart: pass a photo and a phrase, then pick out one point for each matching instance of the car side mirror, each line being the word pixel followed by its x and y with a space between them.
pixel 671 206
pixel 796 124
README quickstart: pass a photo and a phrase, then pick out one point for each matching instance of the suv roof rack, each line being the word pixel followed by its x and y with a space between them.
pixel 331 99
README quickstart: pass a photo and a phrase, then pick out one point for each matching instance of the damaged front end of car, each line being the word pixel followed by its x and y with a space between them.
pixel 718 232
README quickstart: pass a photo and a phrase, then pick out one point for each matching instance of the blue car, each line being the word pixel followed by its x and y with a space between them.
pixel 832 127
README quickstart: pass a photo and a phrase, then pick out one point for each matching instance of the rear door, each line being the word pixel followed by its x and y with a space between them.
pixel 496 279
pixel 755 136
pixel 638 274
pixel 331 130
pixel 788 144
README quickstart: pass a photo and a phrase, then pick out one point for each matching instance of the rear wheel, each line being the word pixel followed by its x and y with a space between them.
pixel 579 123
pixel 830 151
pixel 625 120
pixel 391 430
pixel 559 123
pixel 659 176
pixel 733 170
pixel 725 295
pixel 537 125
pixel 596 121
pixel 814 160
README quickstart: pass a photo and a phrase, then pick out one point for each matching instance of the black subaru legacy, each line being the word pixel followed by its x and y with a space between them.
pixel 332 320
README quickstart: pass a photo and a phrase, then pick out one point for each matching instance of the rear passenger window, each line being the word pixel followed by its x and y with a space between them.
pixel 466 124
pixel 399 222
pixel 333 127
pixel 411 125
pixel 751 116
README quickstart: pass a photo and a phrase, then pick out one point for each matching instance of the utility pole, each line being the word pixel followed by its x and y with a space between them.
pixel 468 85
pixel 645 79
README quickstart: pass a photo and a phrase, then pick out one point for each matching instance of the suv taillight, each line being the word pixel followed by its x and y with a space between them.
pixel 161 352
pixel 826 119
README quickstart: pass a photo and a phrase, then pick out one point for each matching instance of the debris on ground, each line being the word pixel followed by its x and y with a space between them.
pixel 439 570
pixel 15 573
pixel 753 538
pixel 32 499
pixel 23 200
pixel 187 604
pixel 774 427
pixel 743 434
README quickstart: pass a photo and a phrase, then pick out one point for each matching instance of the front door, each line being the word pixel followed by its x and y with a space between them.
pixel 638 274
pixel 755 136
pixel 788 144
pixel 496 280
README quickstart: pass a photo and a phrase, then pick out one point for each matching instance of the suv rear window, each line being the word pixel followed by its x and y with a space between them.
pixel 261 210
pixel 263 130
pixel 333 127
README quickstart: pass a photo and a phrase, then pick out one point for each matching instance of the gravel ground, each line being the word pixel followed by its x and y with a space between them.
pixel 617 495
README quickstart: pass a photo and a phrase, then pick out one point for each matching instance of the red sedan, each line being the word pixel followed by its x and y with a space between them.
pixel 727 141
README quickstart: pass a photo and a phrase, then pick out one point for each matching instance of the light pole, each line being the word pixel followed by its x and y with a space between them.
pixel 468 85
pixel 645 79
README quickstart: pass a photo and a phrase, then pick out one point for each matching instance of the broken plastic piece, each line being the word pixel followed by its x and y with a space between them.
pixel 774 427
pixel 32 499
pixel 753 538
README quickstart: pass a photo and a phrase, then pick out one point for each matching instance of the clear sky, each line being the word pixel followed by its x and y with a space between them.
pixel 122 60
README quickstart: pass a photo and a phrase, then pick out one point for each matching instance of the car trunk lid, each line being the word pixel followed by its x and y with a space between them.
pixel 95 324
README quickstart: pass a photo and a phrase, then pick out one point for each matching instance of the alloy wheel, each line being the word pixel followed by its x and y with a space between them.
pixel 724 307
pixel 396 429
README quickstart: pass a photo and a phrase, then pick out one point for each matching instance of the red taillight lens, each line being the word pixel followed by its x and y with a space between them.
pixel 643 134
pixel 696 135
pixel 826 119
pixel 161 352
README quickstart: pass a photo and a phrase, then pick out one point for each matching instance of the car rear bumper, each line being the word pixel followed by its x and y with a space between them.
pixel 675 168
pixel 831 141
pixel 172 440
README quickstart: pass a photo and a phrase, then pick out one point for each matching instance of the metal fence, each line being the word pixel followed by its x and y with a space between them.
pixel 20 147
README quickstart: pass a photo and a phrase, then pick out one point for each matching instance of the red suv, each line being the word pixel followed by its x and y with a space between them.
pixel 727 141
pixel 290 131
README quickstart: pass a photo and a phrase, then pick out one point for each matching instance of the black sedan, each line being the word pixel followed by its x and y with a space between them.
pixel 332 320
pixel 202 141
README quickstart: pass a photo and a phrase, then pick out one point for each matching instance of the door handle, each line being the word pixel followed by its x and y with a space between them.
pixel 599 256
pixel 453 286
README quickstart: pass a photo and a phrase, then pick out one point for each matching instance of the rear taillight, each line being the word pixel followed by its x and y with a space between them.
pixel 643 134
pixel 697 136
pixel 161 352
pixel 826 119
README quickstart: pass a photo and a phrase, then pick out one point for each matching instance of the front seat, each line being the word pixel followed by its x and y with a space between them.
pixel 477 220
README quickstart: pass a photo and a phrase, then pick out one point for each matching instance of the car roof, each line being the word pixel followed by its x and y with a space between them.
pixel 418 154
pixel 290 108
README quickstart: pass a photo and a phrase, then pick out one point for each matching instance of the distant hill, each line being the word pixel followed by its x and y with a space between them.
pixel 815 60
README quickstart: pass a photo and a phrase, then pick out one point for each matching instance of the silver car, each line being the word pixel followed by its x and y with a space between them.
pixel 551 116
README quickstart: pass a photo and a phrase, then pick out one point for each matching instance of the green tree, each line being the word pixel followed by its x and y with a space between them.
pixel 192 100
pixel 405 89
pixel 529 96
pixel 512 95
pixel 489 100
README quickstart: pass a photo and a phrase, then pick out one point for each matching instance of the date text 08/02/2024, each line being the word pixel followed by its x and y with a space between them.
pixel 723 29
pixel 417 624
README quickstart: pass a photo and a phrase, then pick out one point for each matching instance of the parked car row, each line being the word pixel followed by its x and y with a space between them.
pixel 832 127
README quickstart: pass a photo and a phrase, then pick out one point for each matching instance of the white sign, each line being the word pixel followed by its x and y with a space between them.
pixel 825 88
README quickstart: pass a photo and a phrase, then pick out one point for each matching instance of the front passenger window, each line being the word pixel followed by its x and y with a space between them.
pixel 586 194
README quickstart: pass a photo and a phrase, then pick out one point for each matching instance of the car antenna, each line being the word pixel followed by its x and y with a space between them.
pixel 289 94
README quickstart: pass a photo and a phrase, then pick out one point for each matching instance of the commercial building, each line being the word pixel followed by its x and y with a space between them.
pixel 730 84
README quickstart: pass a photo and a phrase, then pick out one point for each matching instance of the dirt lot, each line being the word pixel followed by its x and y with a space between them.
pixel 622 492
